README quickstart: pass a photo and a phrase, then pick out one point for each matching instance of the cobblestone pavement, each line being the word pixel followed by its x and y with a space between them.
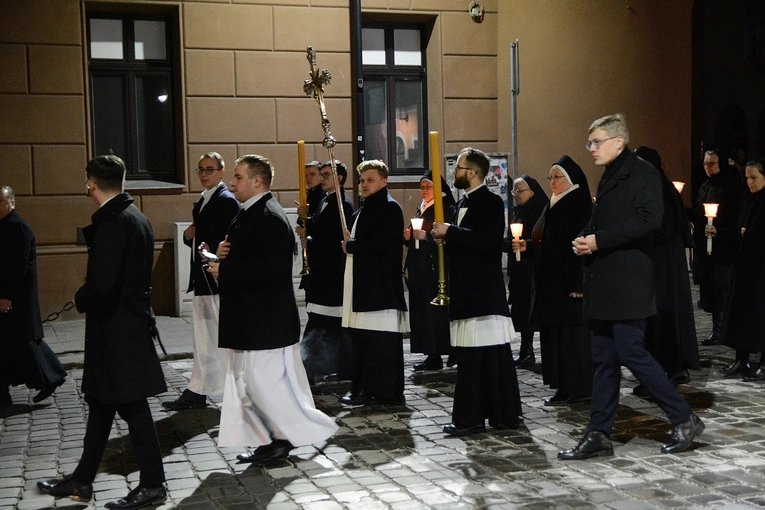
pixel 398 457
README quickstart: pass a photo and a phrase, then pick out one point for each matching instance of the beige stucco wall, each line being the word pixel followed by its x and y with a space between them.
pixel 242 68
pixel 583 59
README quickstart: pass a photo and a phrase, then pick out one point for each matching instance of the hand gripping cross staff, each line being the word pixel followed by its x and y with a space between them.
pixel 315 87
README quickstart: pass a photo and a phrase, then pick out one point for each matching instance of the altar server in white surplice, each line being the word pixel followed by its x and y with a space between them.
pixel 267 402
pixel 481 329
pixel 212 215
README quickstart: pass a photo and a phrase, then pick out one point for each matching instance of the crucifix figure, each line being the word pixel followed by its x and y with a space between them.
pixel 315 87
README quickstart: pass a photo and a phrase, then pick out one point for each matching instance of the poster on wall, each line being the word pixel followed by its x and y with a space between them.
pixel 496 179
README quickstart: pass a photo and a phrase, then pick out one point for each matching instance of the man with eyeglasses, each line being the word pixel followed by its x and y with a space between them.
pixel 715 271
pixel 480 324
pixel 212 215
pixel 325 348
pixel 619 290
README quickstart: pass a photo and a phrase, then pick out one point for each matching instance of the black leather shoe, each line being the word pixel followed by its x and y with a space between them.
pixel 683 434
pixel 559 399
pixel 640 391
pixel 67 487
pixel 757 375
pixel 456 430
pixel 140 498
pixel 279 449
pixel 593 444
pixel 451 361
pixel 712 339
pixel 187 400
pixel 360 399
pixel 735 368
pixel 524 361
pixel 47 391
pixel 430 363
pixel 680 378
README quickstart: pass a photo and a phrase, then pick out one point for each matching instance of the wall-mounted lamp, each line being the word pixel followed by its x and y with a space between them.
pixel 476 11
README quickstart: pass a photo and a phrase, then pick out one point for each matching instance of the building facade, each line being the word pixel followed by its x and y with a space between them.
pixel 160 83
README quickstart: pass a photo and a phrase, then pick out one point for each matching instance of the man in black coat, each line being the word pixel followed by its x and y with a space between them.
pixel 212 215
pixel 325 347
pixel 374 309
pixel 722 186
pixel 121 364
pixel 480 324
pixel 25 358
pixel 267 401
pixel 619 292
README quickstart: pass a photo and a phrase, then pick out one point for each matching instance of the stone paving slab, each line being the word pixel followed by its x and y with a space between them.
pixel 397 456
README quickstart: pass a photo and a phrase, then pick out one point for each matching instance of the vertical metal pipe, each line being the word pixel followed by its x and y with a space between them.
pixel 357 98
pixel 515 89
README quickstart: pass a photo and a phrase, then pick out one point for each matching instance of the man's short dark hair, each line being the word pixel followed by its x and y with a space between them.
pixel 108 172
pixel 477 160
pixel 342 170
pixel 257 165
pixel 8 192
pixel 213 155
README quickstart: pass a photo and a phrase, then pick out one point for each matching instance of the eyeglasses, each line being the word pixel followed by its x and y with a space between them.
pixel 518 191
pixel 206 171
pixel 462 168
pixel 597 143
pixel 710 164
pixel 326 175
pixel 556 178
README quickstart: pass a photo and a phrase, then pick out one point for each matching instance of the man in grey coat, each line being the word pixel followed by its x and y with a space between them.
pixel 619 290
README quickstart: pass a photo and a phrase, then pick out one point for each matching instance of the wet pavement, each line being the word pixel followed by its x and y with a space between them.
pixel 397 456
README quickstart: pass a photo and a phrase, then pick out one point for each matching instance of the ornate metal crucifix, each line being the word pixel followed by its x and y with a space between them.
pixel 315 88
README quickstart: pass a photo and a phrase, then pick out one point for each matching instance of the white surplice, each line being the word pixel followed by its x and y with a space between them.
pixel 210 361
pixel 267 397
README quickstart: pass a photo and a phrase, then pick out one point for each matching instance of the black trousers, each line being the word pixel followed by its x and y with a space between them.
pixel 617 343
pixel 143 435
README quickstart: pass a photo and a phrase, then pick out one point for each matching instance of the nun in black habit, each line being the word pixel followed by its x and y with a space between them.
pixel 530 200
pixel 670 335
pixel 429 324
pixel 564 335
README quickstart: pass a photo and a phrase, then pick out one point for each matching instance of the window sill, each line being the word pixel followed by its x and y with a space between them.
pixel 152 187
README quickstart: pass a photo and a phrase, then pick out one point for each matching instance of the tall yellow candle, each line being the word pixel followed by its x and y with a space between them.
pixel 301 174
pixel 435 167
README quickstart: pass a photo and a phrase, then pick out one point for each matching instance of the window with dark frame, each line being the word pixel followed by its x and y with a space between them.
pixel 132 92
pixel 395 95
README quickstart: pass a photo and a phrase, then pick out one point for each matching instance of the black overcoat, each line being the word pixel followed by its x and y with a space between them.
pixel 476 283
pixel 258 310
pixel 377 254
pixel 324 286
pixel 746 327
pixel 18 282
pixel 121 363
pixel 619 277
pixel 211 224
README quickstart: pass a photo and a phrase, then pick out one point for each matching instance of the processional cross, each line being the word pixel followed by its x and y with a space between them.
pixel 315 88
